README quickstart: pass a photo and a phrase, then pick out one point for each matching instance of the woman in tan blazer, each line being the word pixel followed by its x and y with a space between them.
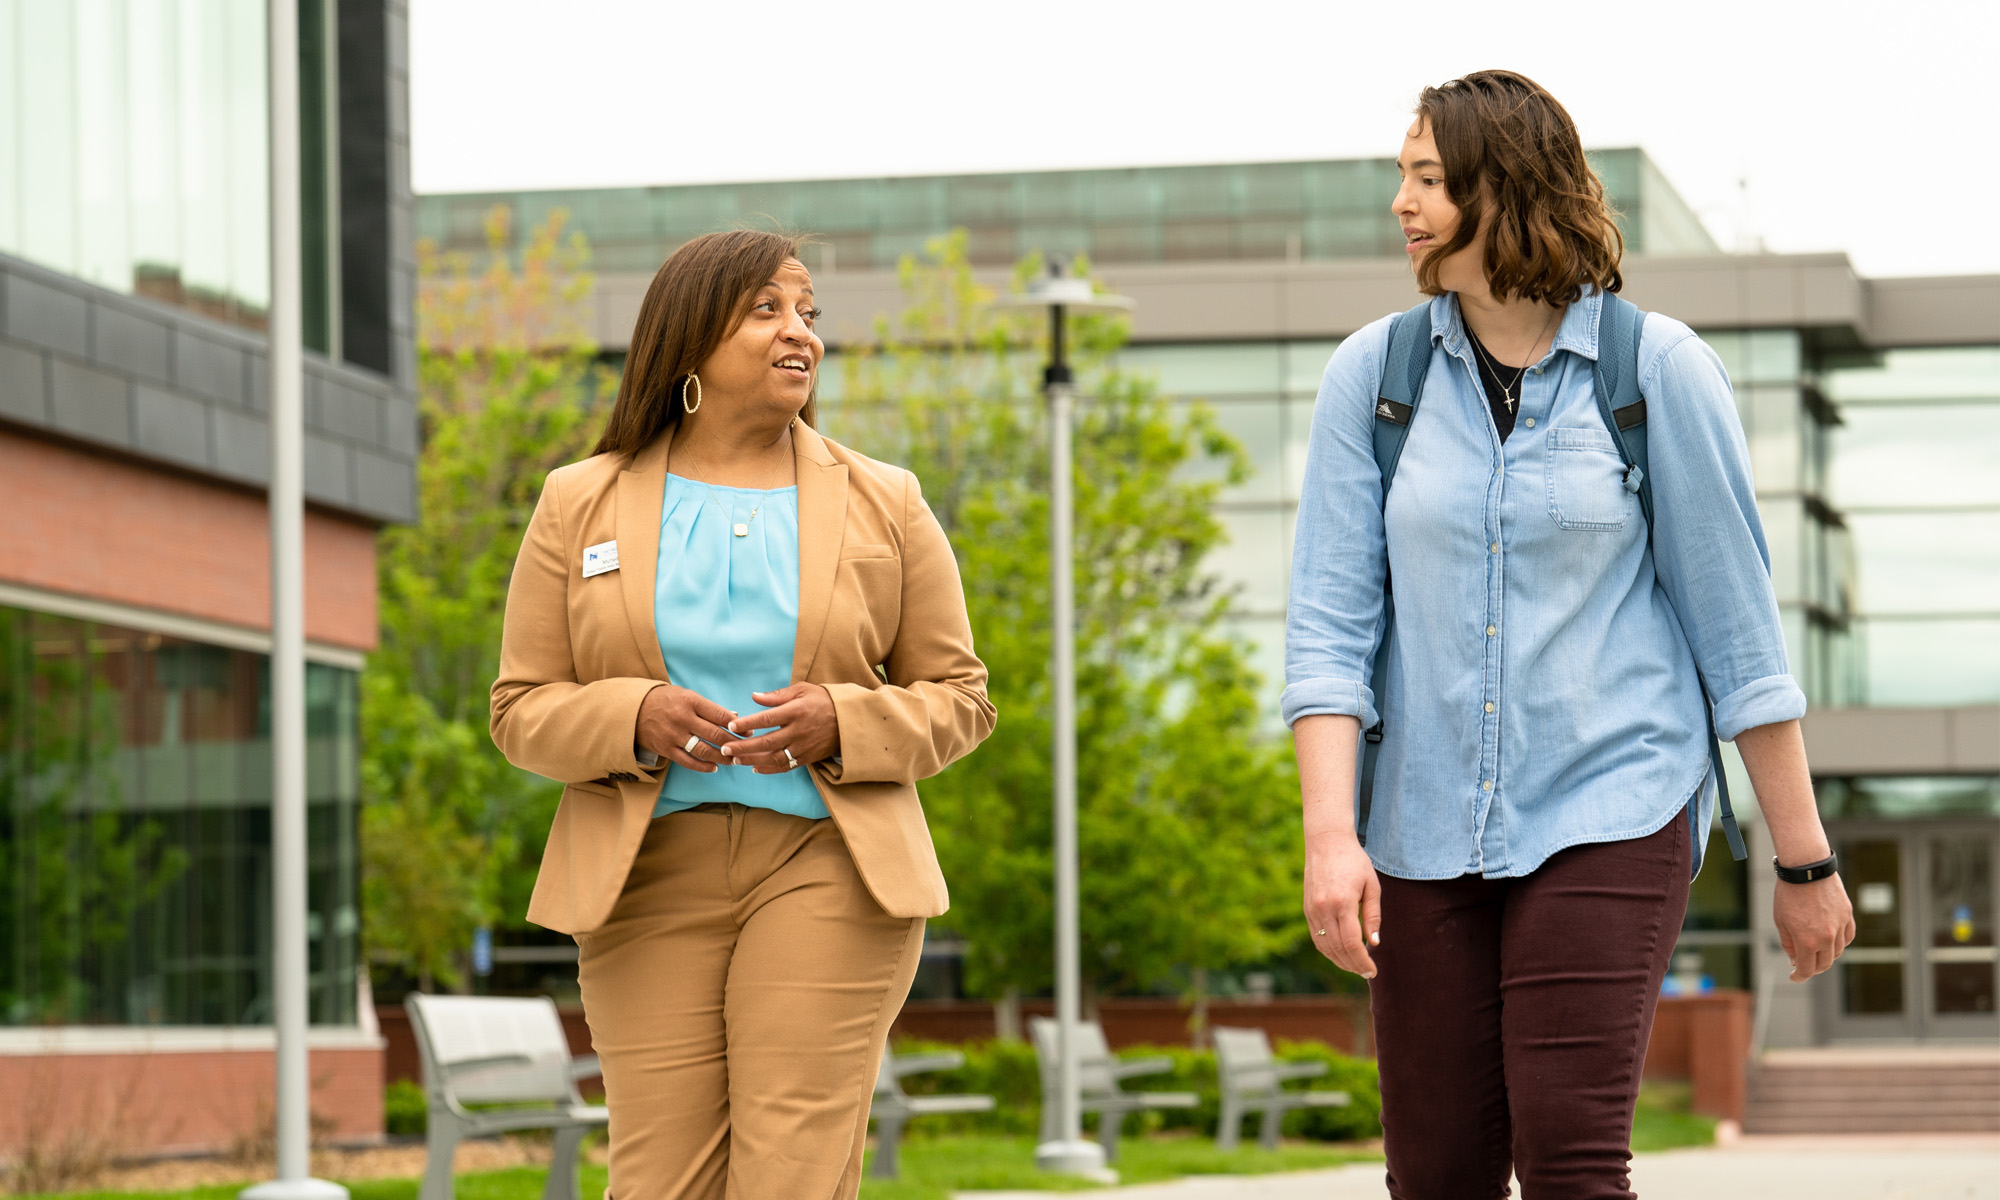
pixel 739 645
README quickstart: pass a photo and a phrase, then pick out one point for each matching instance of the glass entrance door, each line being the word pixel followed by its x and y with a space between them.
pixel 1872 979
pixel 1959 955
pixel 1924 963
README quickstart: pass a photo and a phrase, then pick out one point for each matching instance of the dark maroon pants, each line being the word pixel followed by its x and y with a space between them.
pixel 1511 1018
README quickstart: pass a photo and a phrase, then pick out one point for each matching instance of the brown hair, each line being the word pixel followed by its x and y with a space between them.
pixel 696 300
pixel 1506 141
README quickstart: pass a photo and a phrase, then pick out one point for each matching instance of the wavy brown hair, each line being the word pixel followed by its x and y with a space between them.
pixel 1505 141
pixel 696 300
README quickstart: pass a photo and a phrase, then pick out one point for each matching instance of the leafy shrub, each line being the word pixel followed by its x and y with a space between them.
pixel 1007 1072
pixel 404 1110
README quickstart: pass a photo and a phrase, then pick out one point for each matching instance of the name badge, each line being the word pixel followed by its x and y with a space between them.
pixel 600 558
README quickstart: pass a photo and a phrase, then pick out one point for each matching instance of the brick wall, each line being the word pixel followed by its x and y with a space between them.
pixel 110 529
pixel 1704 1040
pixel 134 1104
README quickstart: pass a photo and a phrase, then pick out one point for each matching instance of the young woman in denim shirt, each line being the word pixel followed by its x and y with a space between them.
pixel 1543 789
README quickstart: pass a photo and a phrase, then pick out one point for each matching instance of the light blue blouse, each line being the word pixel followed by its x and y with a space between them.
pixel 726 609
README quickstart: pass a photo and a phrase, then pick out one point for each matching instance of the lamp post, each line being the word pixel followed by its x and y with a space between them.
pixel 1060 294
pixel 288 685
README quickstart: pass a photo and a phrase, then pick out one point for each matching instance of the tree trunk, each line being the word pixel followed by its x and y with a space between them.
pixel 1198 1014
pixel 1087 998
pixel 1007 1015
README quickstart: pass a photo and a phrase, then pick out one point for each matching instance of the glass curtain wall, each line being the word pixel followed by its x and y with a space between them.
pixel 1915 466
pixel 1789 424
pixel 133 150
pixel 1296 210
pixel 135 777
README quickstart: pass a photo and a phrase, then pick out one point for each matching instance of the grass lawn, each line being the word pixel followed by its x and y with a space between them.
pixel 935 1167
pixel 932 1169
pixel 1663 1122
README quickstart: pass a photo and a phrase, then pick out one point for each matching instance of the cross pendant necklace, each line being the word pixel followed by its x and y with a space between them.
pixel 1507 391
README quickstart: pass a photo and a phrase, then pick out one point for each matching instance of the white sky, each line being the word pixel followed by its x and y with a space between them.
pixel 1871 127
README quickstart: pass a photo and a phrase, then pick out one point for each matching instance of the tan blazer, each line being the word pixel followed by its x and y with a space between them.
pixel 878 586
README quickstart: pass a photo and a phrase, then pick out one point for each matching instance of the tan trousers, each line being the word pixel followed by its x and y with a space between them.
pixel 739 997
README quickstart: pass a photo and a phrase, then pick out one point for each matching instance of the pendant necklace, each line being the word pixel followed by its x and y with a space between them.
pixel 739 528
pixel 1510 392
pixel 1506 389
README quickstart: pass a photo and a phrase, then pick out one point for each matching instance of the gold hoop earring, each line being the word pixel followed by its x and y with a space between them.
pixel 696 381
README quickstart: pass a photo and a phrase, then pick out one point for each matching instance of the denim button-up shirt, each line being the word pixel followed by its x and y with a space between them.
pixel 1542 686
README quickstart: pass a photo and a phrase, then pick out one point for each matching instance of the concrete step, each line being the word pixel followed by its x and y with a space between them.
pixel 1756 1122
pixel 1884 1096
pixel 1899 1091
pixel 1881 1076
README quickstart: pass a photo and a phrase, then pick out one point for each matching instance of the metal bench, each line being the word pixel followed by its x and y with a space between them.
pixel 1253 1080
pixel 892 1107
pixel 1100 1078
pixel 502 1051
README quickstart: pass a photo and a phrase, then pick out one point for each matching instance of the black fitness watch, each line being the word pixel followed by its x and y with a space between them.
pixel 1806 874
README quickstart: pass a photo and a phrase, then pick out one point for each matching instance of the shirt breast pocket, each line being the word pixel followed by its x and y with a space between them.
pixel 1586 480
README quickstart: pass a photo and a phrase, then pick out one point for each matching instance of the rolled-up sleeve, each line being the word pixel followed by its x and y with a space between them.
pixel 1333 618
pixel 1708 540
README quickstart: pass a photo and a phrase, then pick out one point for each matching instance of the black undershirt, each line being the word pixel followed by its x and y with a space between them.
pixel 1496 399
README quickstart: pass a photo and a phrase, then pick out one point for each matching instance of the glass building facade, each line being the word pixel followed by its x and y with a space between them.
pixel 1914 467
pixel 135 796
pixel 135 758
pixel 134 151
pixel 1295 210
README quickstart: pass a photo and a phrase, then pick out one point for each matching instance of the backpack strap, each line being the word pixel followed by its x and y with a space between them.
pixel 1616 380
pixel 1402 389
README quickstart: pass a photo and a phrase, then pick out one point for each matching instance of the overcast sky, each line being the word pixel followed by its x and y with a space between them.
pixel 1871 127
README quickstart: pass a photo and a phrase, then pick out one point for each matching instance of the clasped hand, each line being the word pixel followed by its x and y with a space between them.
pixel 801 719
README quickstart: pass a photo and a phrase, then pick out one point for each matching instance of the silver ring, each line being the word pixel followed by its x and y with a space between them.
pixel 1321 933
pixel 694 739
pixel 792 763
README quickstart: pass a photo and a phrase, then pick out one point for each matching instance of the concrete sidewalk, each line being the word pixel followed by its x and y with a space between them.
pixel 1849 1167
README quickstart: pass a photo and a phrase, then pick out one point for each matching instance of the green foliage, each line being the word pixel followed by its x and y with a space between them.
pixel 1188 812
pixel 1007 1072
pixel 1664 1120
pixel 508 391
pixel 76 864
pixel 405 1112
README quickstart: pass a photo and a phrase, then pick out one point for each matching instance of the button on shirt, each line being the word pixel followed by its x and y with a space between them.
pixel 726 610
pixel 1541 684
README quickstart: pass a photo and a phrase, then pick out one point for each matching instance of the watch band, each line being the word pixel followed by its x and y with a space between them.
pixel 1807 873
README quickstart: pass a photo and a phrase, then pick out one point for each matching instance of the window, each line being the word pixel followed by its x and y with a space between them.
pixel 1914 468
pixel 142 128
pixel 135 781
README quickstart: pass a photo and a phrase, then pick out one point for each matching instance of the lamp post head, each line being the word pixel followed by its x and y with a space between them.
pixel 1062 291
pixel 1059 293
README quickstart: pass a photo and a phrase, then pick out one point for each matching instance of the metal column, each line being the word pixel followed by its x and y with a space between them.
pixel 288 684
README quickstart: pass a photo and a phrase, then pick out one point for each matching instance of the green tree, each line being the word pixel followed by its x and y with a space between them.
pixel 1189 830
pixel 509 389
pixel 78 866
